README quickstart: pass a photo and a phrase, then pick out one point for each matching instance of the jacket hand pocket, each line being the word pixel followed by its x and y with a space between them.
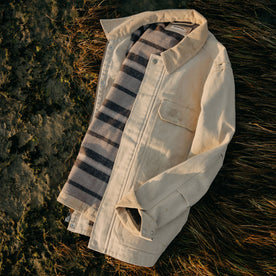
pixel 153 217
pixel 127 238
pixel 177 114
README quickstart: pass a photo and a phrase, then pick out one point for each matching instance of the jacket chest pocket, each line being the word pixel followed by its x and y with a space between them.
pixel 173 131
pixel 168 138
pixel 177 114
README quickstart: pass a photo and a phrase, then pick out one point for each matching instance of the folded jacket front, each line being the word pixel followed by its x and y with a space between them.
pixel 164 114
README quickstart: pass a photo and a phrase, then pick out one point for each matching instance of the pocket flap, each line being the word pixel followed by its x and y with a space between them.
pixel 178 114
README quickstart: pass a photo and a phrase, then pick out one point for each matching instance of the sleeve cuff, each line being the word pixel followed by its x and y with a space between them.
pixel 143 218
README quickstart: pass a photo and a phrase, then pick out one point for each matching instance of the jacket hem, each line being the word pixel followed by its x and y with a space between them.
pixel 71 202
pixel 80 224
pixel 129 255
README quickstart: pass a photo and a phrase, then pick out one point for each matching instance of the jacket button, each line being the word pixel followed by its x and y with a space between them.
pixel 154 61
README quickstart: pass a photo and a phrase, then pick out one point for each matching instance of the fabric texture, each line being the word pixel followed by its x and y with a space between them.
pixel 163 117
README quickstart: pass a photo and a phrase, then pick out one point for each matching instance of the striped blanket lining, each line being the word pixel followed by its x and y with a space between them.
pixel 90 173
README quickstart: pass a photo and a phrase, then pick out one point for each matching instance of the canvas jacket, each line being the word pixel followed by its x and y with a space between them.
pixel 173 143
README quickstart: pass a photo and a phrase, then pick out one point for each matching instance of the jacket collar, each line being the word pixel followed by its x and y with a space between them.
pixel 176 56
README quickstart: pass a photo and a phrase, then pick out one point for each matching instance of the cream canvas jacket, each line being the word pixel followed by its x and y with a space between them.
pixel 173 143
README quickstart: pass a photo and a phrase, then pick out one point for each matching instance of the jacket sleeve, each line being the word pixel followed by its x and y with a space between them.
pixel 171 193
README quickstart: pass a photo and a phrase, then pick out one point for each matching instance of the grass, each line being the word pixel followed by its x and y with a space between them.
pixel 50 57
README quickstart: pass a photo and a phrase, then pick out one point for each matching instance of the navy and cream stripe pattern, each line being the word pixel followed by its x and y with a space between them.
pixel 90 174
